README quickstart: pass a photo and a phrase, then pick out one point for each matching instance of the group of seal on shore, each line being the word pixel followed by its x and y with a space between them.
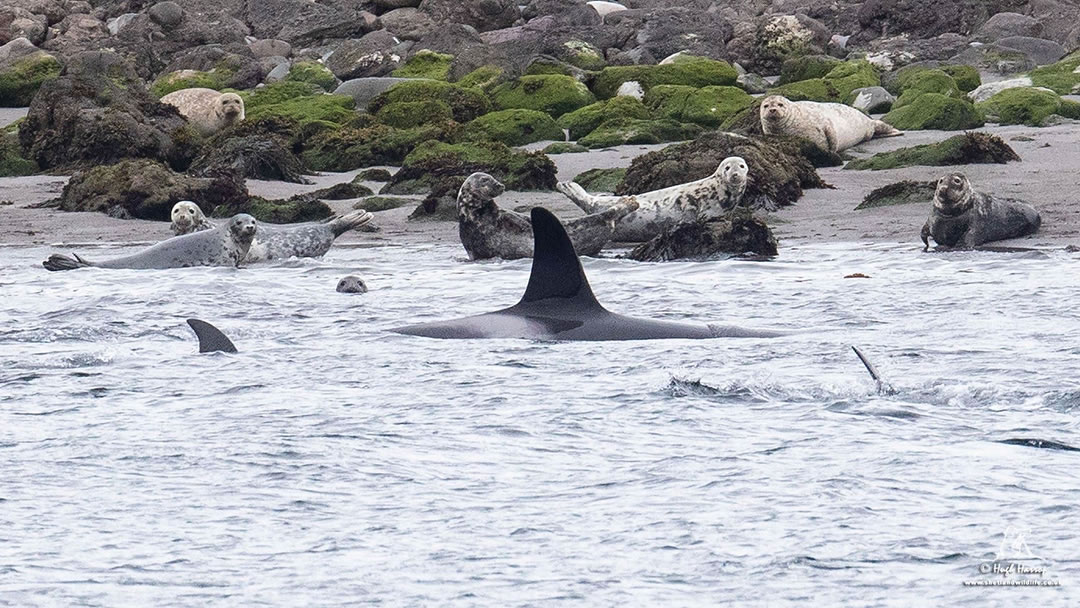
pixel 487 231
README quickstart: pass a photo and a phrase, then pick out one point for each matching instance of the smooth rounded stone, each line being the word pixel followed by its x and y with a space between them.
pixel 270 48
pixel 873 100
pixel 166 14
pixel 631 88
pixel 117 23
pixel 363 90
pixel 1041 51
pixel 408 23
pixel 988 90
pixel 606 8
pixel 995 58
pixel 279 71
pixel 1005 25
pixel 16 50
pixel 753 83
pixel 672 58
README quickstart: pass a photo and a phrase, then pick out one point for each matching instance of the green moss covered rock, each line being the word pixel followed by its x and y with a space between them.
pixel 346 149
pixel 618 132
pixel 1027 106
pixel 435 162
pixel 300 208
pixel 1060 76
pixel 21 80
pixel 967 77
pixel 835 87
pixel 513 127
pixel 583 121
pixel 935 111
pixel 409 114
pixel 554 94
pixel 927 81
pixel 900 193
pixel 564 147
pixel 188 79
pixel 485 77
pixel 965 149
pixel 797 69
pixel 426 64
pixel 12 161
pixel 601 180
pixel 312 72
pixel 690 71
pixel 466 103
pixel 707 106
pixel 583 55
pixel 301 102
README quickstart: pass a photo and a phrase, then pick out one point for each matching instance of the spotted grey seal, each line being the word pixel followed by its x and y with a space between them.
pixel 487 231
pixel 224 246
pixel 351 284
pixel 278 241
pixel 559 304
pixel 964 218
pixel 187 217
pixel 831 126
pixel 660 210
pixel 208 110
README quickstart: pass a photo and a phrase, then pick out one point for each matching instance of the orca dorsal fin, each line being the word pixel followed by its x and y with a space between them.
pixel 210 338
pixel 556 269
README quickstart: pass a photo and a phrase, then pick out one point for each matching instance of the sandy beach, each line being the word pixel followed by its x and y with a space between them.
pixel 1047 177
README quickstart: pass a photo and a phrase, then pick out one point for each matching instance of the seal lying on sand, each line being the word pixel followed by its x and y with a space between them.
pixel 488 231
pixel 278 241
pixel 964 218
pixel 208 110
pixel 660 210
pixel 831 126
pixel 224 246
pixel 188 218
pixel 559 305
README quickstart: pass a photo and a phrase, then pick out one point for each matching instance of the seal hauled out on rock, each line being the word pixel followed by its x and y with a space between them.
pixel 187 218
pixel 488 231
pixel 351 284
pixel 279 241
pixel 224 246
pixel 964 218
pixel 208 110
pixel 661 210
pixel 834 127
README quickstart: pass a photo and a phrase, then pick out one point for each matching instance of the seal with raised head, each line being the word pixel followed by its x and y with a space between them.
pixel 224 246
pixel 278 241
pixel 488 231
pixel 964 218
pixel 187 217
pixel 351 284
pixel 208 110
pixel 834 127
pixel 660 210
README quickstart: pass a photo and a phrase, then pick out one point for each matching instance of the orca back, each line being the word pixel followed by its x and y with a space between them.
pixel 210 338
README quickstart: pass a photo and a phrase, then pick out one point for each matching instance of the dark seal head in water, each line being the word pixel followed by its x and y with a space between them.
pixel 226 245
pixel 963 218
pixel 351 284
pixel 559 304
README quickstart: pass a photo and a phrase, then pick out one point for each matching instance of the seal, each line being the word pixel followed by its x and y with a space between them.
pixel 187 218
pixel 488 231
pixel 831 126
pixel 223 246
pixel 660 210
pixel 964 218
pixel 278 241
pixel 208 110
pixel 351 284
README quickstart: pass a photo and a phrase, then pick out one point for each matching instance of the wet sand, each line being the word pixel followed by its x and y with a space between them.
pixel 1048 177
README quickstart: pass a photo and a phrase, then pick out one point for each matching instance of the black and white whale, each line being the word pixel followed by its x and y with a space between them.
pixel 559 304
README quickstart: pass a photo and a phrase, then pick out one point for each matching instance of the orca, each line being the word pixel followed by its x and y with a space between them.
pixel 210 338
pixel 559 305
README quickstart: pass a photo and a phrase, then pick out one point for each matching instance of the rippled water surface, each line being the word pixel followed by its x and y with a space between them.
pixel 331 463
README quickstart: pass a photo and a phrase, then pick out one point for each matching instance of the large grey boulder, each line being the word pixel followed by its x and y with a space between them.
pixel 376 54
pixel 1039 50
pixel 363 90
pixel 1004 25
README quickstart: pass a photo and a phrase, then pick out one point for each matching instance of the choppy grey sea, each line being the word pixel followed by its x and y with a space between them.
pixel 330 463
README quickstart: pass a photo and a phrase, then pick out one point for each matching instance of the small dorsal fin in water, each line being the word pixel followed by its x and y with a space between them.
pixel 883 387
pixel 1041 443
pixel 210 338
pixel 556 269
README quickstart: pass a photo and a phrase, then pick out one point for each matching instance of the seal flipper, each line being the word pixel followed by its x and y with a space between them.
pixel 882 386
pixel 210 338
pixel 349 221
pixel 63 262
pixel 577 195
pixel 556 269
